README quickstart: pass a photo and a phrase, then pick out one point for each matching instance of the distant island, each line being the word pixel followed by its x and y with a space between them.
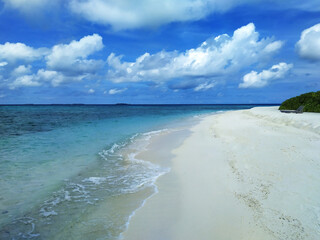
pixel 310 101
pixel 122 104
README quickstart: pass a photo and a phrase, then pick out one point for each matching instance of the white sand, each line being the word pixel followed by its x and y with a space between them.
pixel 250 174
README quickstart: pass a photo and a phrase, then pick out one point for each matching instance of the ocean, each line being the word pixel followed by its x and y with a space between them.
pixel 64 173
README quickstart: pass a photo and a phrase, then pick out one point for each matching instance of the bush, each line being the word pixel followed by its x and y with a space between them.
pixel 310 101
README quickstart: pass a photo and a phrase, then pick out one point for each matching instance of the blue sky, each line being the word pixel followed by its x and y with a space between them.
pixel 169 51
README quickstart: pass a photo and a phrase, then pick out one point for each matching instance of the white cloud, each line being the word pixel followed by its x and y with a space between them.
pixel 65 62
pixel 90 91
pixel 19 51
pixel 274 46
pixel 308 46
pixel 257 80
pixel 2 64
pixel 44 76
pixel 216 56
pixel 125 14
pixel 128 14
pixel 116 91
pixel 204 86
pixel 21 70
pixel 56 78
pixel 25 81
pixel 30 6
pixel 72 58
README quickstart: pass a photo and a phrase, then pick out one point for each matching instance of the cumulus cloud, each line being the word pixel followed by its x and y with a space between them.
pixel 56 78
pixel 257 80
pixel 65 63
pixel 308 46
pixel 21 70
pixel 25 81
pixel 216 56
pixel 116 91
pixel 72 58
pixel 12 52
pixel 43 76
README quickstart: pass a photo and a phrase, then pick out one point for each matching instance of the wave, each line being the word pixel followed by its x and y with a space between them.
pixel 120 172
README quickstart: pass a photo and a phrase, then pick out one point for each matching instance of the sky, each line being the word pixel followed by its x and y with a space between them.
pixel 158 51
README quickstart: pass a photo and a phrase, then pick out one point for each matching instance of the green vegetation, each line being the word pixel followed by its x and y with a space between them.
pixel 310 101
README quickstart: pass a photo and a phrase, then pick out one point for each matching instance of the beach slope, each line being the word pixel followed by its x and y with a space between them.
pixel 248 174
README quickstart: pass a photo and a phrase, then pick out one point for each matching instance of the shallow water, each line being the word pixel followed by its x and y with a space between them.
pixel 64 173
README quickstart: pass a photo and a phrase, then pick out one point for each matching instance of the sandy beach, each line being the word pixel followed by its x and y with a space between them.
pixel 248 174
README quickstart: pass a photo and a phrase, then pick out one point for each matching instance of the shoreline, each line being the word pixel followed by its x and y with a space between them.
pixel 231 178
pixel 160 160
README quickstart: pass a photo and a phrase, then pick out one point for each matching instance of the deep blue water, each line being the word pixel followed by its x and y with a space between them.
pixel 55 160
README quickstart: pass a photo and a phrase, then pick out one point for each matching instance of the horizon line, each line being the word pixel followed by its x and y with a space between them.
pixel 127 104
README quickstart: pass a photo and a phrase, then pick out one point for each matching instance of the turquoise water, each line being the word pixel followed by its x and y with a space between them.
pixel 62 174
